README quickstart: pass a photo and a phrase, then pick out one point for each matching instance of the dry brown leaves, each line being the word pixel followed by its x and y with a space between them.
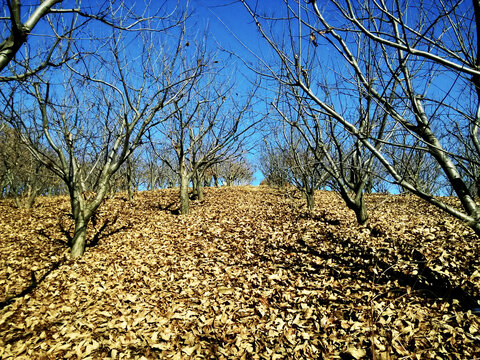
pixel 249 274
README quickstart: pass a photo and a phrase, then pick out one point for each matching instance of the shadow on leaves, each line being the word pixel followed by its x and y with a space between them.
pixel 34 282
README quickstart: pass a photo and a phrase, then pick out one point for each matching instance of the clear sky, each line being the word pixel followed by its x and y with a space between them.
pixel 231 26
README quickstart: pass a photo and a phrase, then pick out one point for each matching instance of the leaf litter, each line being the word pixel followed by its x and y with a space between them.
pixel 249 274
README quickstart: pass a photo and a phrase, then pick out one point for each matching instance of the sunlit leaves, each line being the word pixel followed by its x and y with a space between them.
pixel 249 274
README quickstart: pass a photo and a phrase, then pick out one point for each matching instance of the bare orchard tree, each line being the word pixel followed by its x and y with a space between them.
pixel 235 171
pixel 94 115
pixel 426 68
pixel 415 165
pixel 155 173
pixel 273 163
pixel 207 125
pixel 305 170
pixel 288 158
pixel 36 35
pixel 337 154
pixel 22 176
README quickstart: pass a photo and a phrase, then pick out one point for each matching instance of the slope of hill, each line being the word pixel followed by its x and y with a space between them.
pixel 250 273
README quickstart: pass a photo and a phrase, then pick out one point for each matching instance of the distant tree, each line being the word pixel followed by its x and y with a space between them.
pixel 155 170
pixel 128 177
pixel 334 154
pixel 236 172
pixel 273 164
pixel 417 63
pixel 91 117
pixel 207 124
pixel 416 166
pixel 22 176
pixel 305 171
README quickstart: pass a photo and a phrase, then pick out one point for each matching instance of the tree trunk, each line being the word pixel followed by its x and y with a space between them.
pixel 360 209
pixel 357 204
pixel 197 187
pixel 27 199
pixel 310 196
pixel 31 196
pixel 199 190
pixel 129 180
pixel 184 199
pixel 207 181
pixel 79 237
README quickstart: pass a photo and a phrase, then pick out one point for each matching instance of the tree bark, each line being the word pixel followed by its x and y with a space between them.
pixel 199 188
pixel 79 237
pixel 184 199
pixel 310 197
pixel 357 205
pixel 10 46
pixel 360 210
pixel 31 196
pixel 129 179
pixel 195 185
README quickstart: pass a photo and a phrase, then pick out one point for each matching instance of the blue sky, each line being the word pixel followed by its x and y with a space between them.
pixel 233 29
pixel 229 24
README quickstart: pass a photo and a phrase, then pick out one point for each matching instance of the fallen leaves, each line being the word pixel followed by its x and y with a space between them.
pixel 249 274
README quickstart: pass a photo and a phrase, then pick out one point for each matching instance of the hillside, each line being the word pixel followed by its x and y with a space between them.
pixel 248 274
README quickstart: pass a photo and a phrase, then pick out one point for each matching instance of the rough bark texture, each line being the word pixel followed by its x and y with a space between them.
pixel 184 199
pixel 199 189
pixel 79 238
pixel 129 180
pixel 357 205
pixel 360 210
pixel 309 195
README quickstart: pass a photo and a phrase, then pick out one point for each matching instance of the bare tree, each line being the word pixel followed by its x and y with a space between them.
pixel 22 176
pixel 235 171
pixel 207 126
pixel 94 115
pixel 426 65
pixel 273 163
pixel 305 170
pixel 336 153
pixel 41 34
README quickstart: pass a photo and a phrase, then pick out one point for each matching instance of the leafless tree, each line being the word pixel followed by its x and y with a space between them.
pixel 305 170
pixel 36 35
pixel 22 176
pixel 207 126
pixel 235 171
pixel 93 115
pixel 426 64
pixel 273 163
pixel 336 153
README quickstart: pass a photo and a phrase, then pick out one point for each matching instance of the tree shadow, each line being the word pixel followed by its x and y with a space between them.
pixel 34 282
pixel 361 261
pixel 99 234
pixel 169 208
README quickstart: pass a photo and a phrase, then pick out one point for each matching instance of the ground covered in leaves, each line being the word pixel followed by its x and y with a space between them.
pixel 250 273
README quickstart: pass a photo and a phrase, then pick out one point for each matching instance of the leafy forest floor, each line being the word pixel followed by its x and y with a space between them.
pixel 250 273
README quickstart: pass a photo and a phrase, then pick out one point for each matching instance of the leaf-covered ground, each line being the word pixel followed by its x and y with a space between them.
pixel 249 274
